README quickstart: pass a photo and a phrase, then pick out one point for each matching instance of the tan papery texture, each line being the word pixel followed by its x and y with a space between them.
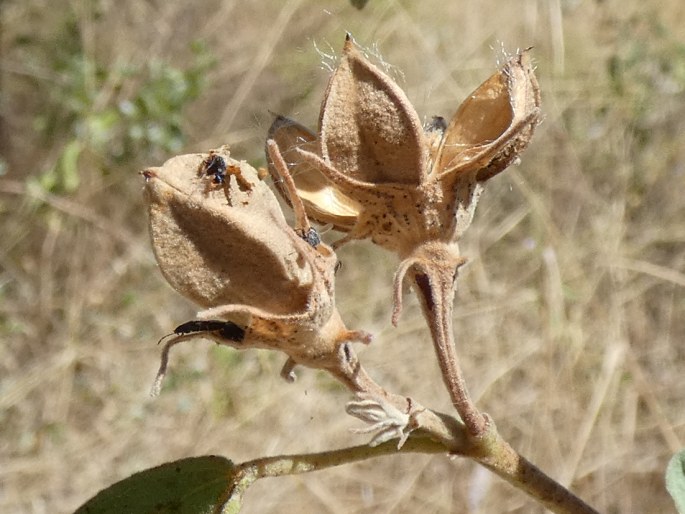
pixel 401 181
pixel 218 252
pixel 368 129
pixel 416 191
pixel 222 242
pixel 311 187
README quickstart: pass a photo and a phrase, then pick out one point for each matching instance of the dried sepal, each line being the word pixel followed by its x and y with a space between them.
pixel 494 124
pixel 224 243
pixel 367 127
pixel 338 209
pixel 385 420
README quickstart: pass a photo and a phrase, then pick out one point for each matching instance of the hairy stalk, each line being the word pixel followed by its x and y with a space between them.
pixel 308 462
pixel 435 289
pixel 504 462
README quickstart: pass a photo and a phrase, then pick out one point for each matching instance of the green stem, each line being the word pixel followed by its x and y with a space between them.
pixel 501 460
pixel 308 462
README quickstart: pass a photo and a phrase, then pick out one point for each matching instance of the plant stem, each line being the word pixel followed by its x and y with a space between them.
pixel 308 462
pixel 444 434
pixel 435 289
pixel 500 458
pixel 506 463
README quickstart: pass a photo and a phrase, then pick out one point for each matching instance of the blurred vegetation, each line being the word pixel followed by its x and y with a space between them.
pixel 569 315
pixel 147 121
pixel 112 111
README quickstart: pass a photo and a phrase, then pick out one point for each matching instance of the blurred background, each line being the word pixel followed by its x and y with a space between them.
pixel 569 315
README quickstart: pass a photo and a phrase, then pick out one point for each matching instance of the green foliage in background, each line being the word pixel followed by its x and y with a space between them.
pixel 654 61
pixel 114 111
pixel 675 480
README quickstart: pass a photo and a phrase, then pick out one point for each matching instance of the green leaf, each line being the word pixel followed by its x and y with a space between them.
pixel 675 480
pixel 207 484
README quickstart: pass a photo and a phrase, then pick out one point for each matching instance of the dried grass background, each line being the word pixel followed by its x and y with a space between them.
pixel 569 317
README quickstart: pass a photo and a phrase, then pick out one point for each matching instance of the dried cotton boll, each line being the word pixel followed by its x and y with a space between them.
pixel 221 240
pixel 372 171
pixel 218 244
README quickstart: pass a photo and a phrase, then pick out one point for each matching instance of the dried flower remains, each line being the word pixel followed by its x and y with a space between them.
pixel 221 240
pixel 373 171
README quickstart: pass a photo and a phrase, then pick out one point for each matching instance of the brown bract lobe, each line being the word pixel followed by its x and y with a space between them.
pixel 212 243
pixel 374 172
pixel 226 246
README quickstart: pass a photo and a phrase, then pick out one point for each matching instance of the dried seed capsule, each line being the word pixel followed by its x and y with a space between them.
pixel 263 283
pixel 373 172
pixel 225 246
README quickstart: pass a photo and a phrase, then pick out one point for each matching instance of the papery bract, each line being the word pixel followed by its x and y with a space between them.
pixel 373 172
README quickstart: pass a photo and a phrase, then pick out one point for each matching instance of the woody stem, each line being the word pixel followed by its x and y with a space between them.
pixel 489 449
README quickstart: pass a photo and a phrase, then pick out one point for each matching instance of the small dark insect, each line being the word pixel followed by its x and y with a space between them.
pixel 437 123
pixel 359 4
pixel 214 165
pixel 226 329
pixel 312 237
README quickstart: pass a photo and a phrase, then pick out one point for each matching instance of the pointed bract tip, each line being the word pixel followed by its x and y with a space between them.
pixel 363 337
pixel 349 46
pixel 279 122
pixel 524 57
pixel 148 174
